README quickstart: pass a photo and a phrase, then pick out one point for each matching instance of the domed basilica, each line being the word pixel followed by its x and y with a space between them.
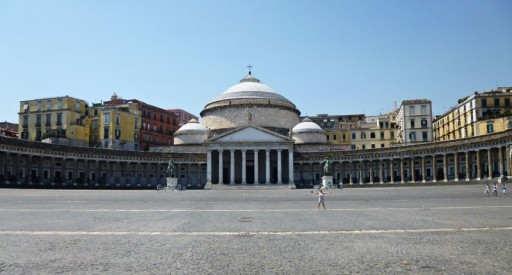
pixel 248 133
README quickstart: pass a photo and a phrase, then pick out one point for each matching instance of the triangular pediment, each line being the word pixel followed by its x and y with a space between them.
pixel 250 134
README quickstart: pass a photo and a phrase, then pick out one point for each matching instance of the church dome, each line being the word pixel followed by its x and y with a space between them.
pixel 250 102
pixel 308 132
pixel 191 133
pixel 250 88
pixel 307 126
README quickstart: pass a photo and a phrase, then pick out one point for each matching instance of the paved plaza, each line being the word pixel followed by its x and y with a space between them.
pixel 429 230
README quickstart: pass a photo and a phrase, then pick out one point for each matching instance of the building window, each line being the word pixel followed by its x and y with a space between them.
pixel 25 121
pixel 424 135
pixel 381 135
pixel 59 118
pixel 412 110
pixel 39 105
pixel 490 127
pixel 363 135
pixel 38 121
pixel 424 123
pixel 344 137
pixel 77 106
pixel 118 120
pixel 106 133
pixel 484 103
pixel 328 138
pixel 507 102
pixel 334 137
pixel 382 145
pixel 38 135
pixel 391 135
pixel 353 136
pixel 48 119
pixel 353 147
pixel 106 118
pixel 496 102
pixel 363 146
pixel 372 135
pixel 412 124
pixel 49 104
pixel 118 133
pixel 95 112
pixel 59 104
pixel 412 136
pixel 423 109
pixel 373 146
pixel 136 123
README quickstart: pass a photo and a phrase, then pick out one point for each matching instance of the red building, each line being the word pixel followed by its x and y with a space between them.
pixel 183 116
pixel 158 125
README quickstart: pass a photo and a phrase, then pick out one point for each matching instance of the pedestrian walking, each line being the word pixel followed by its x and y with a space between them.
pixel 321 194
pixel 495 189
pixel 504 189
pixel 488 189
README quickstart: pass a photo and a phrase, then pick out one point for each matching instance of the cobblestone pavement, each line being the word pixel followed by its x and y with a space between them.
pixel 427 230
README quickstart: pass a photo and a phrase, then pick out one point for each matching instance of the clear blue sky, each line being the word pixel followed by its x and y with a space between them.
pixel 336 57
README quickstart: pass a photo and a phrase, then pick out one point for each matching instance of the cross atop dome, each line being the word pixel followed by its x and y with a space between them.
pixel 250 68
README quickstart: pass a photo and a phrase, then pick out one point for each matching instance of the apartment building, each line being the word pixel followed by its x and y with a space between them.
pixel 414 122
pixel 479 114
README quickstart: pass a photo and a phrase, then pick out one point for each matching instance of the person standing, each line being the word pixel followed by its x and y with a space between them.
pixel 495 189
pixel 321 195
pixel 488 189
pixel 504 189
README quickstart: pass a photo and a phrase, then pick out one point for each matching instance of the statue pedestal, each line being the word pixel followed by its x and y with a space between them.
pixel 327 182
pixel 172 183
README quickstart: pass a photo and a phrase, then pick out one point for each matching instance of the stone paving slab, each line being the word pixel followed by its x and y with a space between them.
pixel 425 230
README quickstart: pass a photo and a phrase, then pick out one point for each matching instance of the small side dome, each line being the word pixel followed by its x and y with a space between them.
pixel 307 126
pixel 191 133
pixel 308 132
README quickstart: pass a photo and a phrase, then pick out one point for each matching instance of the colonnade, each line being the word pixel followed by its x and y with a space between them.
pixel 250 165
pixel 467 165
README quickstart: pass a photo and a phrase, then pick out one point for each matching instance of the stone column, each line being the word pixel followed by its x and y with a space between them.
pixel 434 169
pixel 468 166
pixel 500 161
pixel 208 168
pixel 290 168
pixel 445 168
pixel 361 172
pixel 508 160
pixel 350 176
pixel 381 171
pixel 489 163
pixel 256 168
pixel 391 172
pixel 221 167
pixel 52 177
pixel 423 170
pixel 244 166
pixel 267 166
pixel 478 165
pixel 402 170
pixel 456 157
pixel 370 167
pixel 279 168
pixel 75 171
pixel 232 167
pixel 413 176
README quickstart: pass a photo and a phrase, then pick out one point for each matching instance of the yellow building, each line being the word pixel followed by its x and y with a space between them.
pixel 57 119
pixel 115 126
pixel 473 113
pixel 374 132
pixel 337 127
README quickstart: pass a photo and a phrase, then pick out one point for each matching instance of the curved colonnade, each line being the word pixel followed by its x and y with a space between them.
pixel 35 164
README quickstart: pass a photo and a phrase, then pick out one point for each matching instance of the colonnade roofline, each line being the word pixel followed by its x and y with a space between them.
pixel 422 150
